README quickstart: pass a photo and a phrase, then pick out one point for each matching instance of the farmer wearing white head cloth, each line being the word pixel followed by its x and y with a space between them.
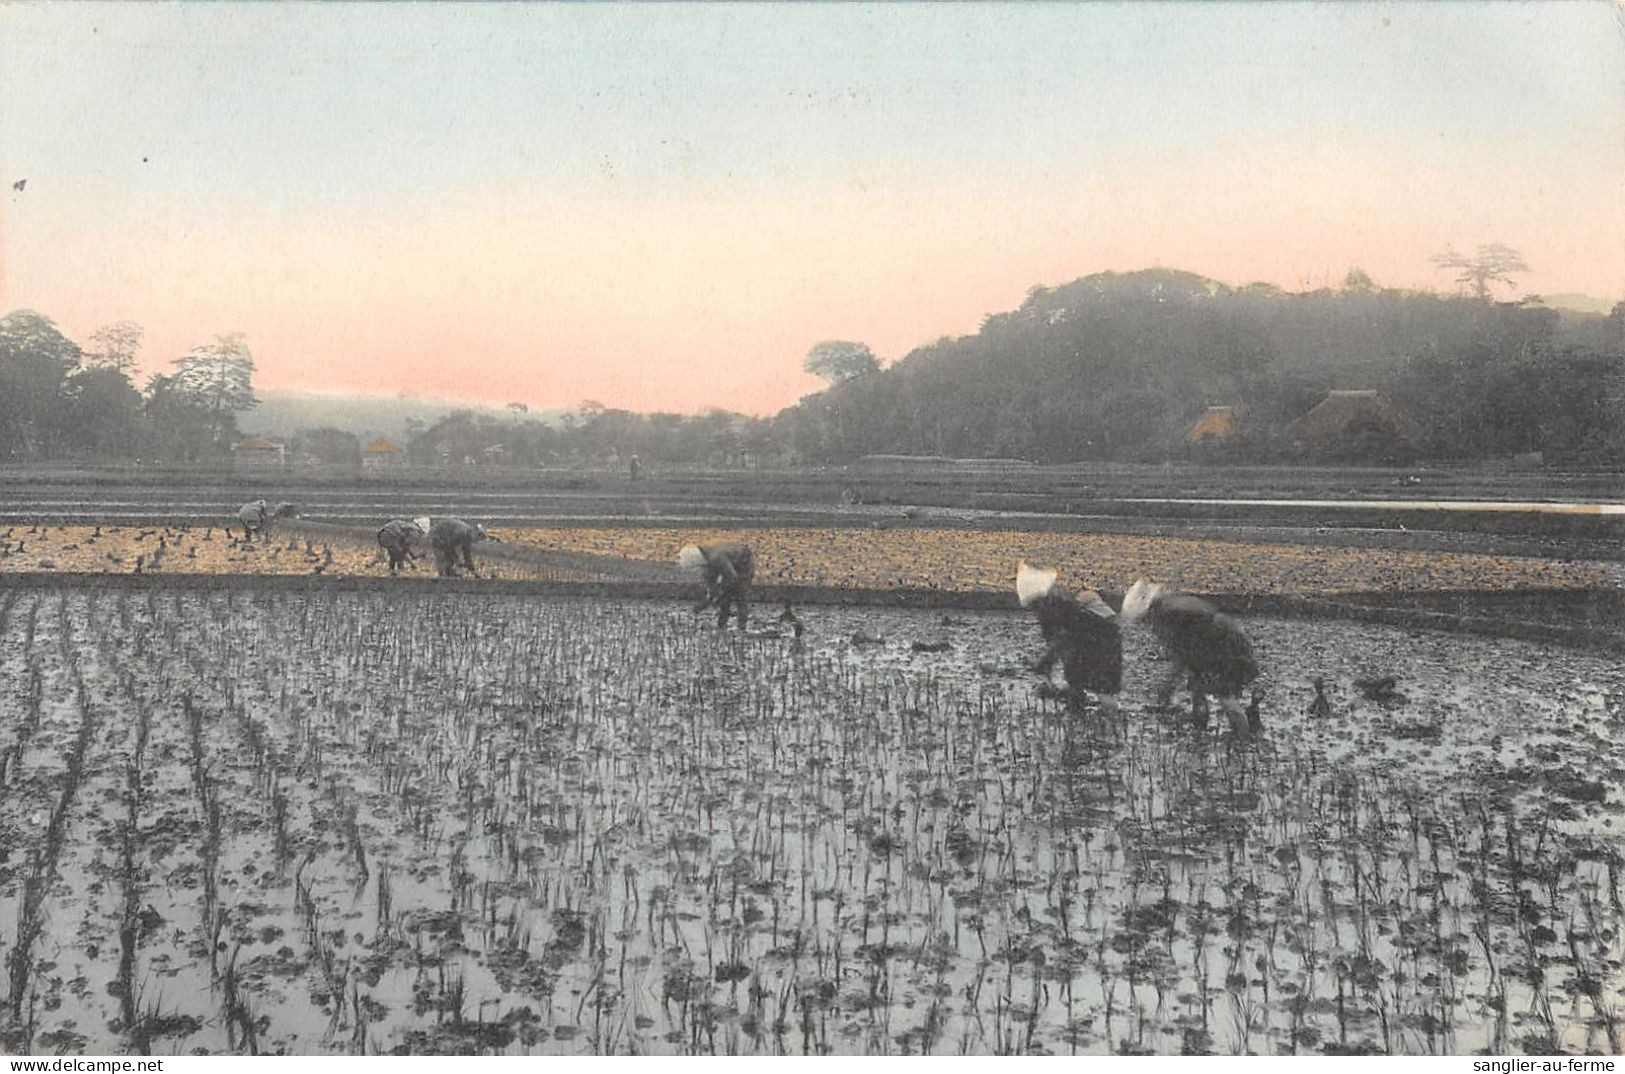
pixel 727 570
pixel 1081 631
pixel 256 516
pixel 1203 643
pixel 253 516
pixel 402 540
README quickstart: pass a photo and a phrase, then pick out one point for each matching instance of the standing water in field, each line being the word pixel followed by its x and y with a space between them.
pixel 342 823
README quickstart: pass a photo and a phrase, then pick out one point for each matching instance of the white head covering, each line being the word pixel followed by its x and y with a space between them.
pixel 1032 583
pixel 1139 599
pixel 691 557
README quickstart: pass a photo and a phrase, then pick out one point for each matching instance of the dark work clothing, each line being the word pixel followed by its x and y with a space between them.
pixel 400 539
pixel 453 540
pixel 1206 642
pixel 728 571
pixel 1089 645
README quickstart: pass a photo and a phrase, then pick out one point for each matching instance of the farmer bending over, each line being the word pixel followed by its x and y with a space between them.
pixel 256 517
pixel 1206 646
pixel 1081 632
pixel 452 538
pixel 401 540
pixel 727 570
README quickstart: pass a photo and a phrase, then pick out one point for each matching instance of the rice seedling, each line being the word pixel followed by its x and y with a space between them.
pixel 323 822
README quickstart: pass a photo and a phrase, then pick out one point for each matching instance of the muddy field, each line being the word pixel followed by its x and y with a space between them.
pixel 933 558
pixel 963 559
pixel 355 823
pixel 1242 504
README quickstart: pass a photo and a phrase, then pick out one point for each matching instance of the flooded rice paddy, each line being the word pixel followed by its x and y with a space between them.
pixel 358 823
pixel 1538 507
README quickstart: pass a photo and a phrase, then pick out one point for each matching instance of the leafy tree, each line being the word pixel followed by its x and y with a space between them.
pixel 102 412
pixel 179 426
pixel 35 358
pixel 605 431
pixel 328 445
pixel 219 377
pixel 24 333
pixel 839 361
pixel 717 437
pixel 760 445
pixel 452 440
pixel 1358 280
pixel 1494 263
pixel 114 346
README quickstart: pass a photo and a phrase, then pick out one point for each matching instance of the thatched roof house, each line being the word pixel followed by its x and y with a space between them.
pixel 258 451
pixel 383 452
pixel 1348 416
pixel 1219 423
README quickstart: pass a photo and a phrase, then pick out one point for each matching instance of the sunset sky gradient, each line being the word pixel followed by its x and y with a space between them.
pixel 664 207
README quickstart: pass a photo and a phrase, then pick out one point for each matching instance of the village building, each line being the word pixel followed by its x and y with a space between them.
pixel 1219 424
pixel 1219 432
pixel 257 452
pixel 383 454
pixel 1351 423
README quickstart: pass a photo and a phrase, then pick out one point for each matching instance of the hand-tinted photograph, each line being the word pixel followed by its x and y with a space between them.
pixel 576 529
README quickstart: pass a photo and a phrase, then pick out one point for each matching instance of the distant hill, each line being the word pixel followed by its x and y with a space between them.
pixel 1120 366
pixel 284 413
pixel 1577 302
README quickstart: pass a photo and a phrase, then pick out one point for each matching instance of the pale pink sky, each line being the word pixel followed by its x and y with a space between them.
pixel 664 208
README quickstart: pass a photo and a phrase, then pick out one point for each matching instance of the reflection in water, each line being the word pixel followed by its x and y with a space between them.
pixel 1528 507
pixel 350 823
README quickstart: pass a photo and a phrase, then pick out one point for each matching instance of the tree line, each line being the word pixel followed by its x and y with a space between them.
pixel 59 399
pixel 594 433
pixel 1119 366
pixel 1114 366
